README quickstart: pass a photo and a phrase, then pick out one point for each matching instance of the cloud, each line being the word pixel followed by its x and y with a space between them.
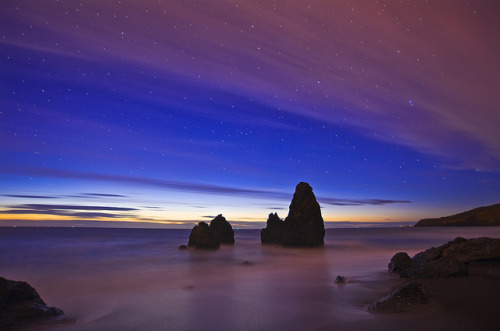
pixel 359 202
pixel 104 195
pixel 36 206
pixel 89 212
pixel 30 196
pixel 185 186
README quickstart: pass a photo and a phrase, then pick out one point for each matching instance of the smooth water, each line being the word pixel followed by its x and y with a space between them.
pixel 138 279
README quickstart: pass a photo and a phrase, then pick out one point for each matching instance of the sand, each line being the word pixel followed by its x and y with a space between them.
pixel 459 303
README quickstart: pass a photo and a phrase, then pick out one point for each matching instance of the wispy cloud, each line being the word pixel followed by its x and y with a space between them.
pixel 359 202
pixel 30 196
pixel 79 211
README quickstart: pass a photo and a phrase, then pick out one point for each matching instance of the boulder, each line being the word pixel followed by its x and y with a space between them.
pixel 399 262
pixel 304 225
pixel 202 237
pixel 20 305
pixel 340 280
pixel 222 230
pixel 403 299
pixel 273 231
pixel 206 236
pixel 449 260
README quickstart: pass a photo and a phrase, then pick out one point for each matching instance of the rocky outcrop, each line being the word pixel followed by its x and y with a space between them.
pixel 399 262
pixel 482 216
pixel 403 299
pixel 449 260
pixel 222 230
pixel 202 237
pixel 273 231
pixel 304 225
pixel 21 305
pixel 206 236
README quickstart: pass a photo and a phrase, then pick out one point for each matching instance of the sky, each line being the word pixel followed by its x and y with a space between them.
pixel 165 113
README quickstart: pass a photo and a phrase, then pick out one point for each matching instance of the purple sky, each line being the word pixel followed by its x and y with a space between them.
pixel 181 110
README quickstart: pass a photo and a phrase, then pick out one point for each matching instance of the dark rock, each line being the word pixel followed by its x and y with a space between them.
pixel 183 247
pixel 273 231
pixel 403 299
pixel 400 262
pixel 202 237
pixel 304 225
pixel 206 236
pixel 20 305
pixel 482 216
pixel 451 259
pixel 222 230
pixel 340 280
pixel 442 267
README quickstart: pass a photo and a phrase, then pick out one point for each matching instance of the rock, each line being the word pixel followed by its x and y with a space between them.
pixel 273 231
pixel 399 262
pixel 403 299
pixel 20 305
pixel 482 216
pixel 183 247
pixel 442 267
pixel 222 230
pixel 340 280
pixel 449 260
pixel 202 237
pixel 206 236
pixel 304 225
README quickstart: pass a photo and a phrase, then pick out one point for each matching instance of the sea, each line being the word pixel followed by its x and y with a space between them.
pixel 138 279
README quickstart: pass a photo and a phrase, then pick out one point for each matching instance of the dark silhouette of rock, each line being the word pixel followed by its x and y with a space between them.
pixel 20 305
pixel 340 280
pixel 273 231
pixel 206 236
pixel 403 299
pixel 482 216
pixel 399 262
pixel 183 247
pixel 451 259
pixel 202 237
pixel 304 225
pixel 222 230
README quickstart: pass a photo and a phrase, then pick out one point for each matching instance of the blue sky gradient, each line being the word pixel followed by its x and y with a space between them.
pixel 171 112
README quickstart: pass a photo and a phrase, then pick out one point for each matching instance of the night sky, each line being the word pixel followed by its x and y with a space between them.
pixel 171 112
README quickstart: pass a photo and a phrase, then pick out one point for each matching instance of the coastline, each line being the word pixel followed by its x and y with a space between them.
pixel 138 279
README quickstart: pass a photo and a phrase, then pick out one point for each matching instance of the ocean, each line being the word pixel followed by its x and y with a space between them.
pixel 138 279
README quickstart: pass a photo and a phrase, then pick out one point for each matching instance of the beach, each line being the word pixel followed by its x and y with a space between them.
pixel 138 279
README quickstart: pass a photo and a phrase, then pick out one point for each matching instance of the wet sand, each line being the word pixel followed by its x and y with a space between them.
pixel 139 280
pixel 459 303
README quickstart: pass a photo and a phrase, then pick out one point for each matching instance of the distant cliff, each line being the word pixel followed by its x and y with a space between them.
pixel 482 216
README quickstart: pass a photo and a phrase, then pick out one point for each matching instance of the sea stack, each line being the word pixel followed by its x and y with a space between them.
pixel 206 236
pixel 304 225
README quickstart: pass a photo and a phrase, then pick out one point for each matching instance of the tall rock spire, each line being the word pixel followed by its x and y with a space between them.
pixel 304 225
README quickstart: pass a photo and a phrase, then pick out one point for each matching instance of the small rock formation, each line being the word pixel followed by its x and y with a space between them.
pixel 273 231
pixel 20 305
pixel 399 262
pixel 206 236
pixel 482 216
pixel 222 230
pixel 403 299
pixel 340 280
pixel 202 237
pixel 449 260
pixel 304 225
